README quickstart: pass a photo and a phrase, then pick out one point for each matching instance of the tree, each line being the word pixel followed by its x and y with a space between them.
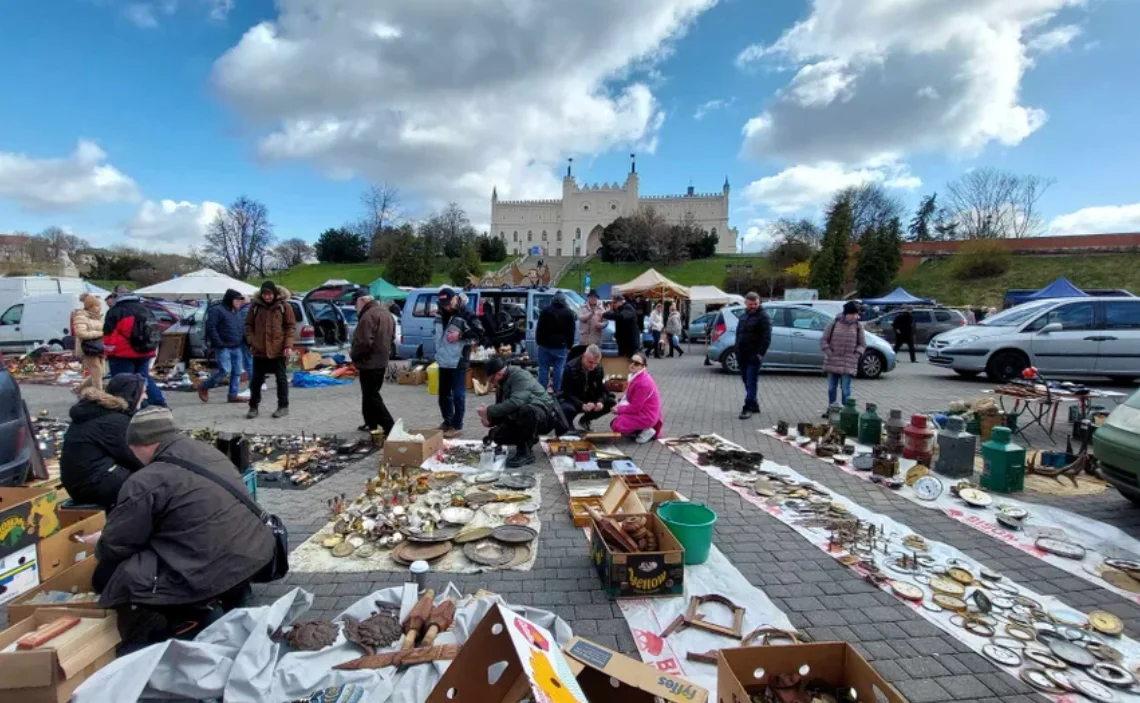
pixel 382 206
pixel 871 206
pixel 879 259
pixel 467 265
pixel 293 252
pixel 239 239
pixel 921 227
pixel 340 245
pixel 451 229
pixel 410 262
pixel 789 253
pixel 57 241
pixel 990 203
pixel 802 231
pixel 829 265
pixel 491 248
pixel 703 245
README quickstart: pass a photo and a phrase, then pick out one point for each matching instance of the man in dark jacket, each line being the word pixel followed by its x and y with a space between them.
pixel 584 389
pixel 178 549
pixel 456 329
pixel 903 326
pixel 269 328
pixel 371 350
pixel 224 333
pixel 129 332
pixel 523 410
pixel 554 336
pixel 627 331
pixel 753 337
pixel 95 461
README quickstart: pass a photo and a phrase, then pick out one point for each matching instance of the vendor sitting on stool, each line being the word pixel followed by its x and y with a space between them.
pixel 639 412
pixel 584 389
pixel 178 550
pixel 523 410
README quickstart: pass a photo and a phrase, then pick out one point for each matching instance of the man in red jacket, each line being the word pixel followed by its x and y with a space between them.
pixel 130 340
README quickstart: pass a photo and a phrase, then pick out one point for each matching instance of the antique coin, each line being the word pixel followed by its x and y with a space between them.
pixel 1060 548
pixel 1105 623
pixel 1002 655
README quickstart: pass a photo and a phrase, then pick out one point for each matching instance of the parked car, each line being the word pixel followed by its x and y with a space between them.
pixel 521 305
pixel 698 330
pixel 1065 337
pixel 928 323
pixel 1116 445
pixel 1017 296
pixel 39 319
pixel 796 333
pixel 15 288
pixel 16 439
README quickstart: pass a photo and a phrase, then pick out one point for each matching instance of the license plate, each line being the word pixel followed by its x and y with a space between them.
pixel 933 353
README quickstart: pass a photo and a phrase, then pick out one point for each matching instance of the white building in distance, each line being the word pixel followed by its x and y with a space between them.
pixel 573 225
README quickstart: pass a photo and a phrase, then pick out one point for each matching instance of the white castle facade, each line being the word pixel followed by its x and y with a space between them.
pixel 573 225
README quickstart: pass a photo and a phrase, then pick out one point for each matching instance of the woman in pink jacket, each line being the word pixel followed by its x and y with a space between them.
pixel 639 412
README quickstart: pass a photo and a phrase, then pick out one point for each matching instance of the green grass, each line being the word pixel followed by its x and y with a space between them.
pixel 934 279
pixel 706 272
pixel 110 285
pixel 308 276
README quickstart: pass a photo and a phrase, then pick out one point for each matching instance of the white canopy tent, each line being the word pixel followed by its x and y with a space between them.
pixel 702 297
pixel 206 283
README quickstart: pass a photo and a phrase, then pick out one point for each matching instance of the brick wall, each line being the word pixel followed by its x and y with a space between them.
pixel 913 253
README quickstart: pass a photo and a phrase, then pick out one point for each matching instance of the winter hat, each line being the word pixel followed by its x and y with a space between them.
pixel 850 308
pixel 446 294
pixel 269 287
pixel 129 387
pixel 151 426
pixel 593 293
pixel 494 365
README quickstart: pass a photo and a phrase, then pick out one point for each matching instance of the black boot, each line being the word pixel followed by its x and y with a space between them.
pixel 524 456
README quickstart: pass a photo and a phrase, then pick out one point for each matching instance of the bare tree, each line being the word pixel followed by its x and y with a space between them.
pixel 57 241
pixel 238 241
pixel 990 203
pixel 872 207
pixel 381 208
pixel 293 252
pixel 802 231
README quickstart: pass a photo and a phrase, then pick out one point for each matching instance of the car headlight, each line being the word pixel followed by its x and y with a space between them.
pixel 963 340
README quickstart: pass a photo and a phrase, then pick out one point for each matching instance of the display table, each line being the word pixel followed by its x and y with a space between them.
pixel 1040 407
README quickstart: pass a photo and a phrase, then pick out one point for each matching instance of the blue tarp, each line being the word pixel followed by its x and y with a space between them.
pixel 304 379
pixel 1060 288
pixel 897 297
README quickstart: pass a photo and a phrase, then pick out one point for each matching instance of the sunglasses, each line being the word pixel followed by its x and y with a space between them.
pixel 636 363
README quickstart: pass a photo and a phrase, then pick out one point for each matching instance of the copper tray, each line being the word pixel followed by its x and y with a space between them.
pixel 407 552
pixel 488 552
pixel 471 535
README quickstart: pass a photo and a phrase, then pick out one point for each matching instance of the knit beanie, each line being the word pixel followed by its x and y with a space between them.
pixel 269 287
pixel 150 426
pixel 129 387
pixel 494 365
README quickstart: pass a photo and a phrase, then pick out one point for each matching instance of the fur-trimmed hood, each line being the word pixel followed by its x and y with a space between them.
pixel 94 403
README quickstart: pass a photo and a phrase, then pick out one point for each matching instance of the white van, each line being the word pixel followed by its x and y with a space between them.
pixel 39 319
pixel 13 289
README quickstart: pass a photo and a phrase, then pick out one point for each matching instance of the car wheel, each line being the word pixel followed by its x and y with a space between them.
pixel 729 361
pixel 1006 366
pixel 967 374
pixel 871 365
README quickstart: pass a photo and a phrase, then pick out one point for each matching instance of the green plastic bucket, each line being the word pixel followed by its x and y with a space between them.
pixel 692 525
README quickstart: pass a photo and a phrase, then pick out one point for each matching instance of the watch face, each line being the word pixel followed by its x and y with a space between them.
pixel 1002 655
pixel 1105 622
pixel 943 584
pixel 1092 689
pixel 927 488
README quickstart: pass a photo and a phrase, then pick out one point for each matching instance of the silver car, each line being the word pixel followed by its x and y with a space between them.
pixel 1064 337
pixel 796 333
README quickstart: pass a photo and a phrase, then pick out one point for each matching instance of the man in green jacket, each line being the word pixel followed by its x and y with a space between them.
pixel 523 410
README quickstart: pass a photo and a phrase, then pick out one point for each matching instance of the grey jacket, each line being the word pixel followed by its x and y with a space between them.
pixel 455 355
pixel 177 538
pixel 518 388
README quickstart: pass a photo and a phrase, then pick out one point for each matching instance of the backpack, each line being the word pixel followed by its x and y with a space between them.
pixel 145 332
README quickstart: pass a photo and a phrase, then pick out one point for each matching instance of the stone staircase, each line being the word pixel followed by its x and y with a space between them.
pixel 558 265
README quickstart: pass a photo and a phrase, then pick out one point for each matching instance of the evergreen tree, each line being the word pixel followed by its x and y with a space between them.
pixel 829 265
pixel 871 277
pixel 891 247
pixel 920 226
pixel 410 262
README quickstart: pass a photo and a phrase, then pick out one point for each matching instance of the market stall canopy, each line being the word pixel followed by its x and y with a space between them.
pixel 711 295
pixel 383 290
pixel 206 283
pixel 1060 288
pixel 898 296
pixel 92 288
pixel 652 285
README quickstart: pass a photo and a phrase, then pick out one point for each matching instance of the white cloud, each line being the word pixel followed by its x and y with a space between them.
pixel 51 185
pixel 146 14
pixel 141 15
pixel 885 79
pixel 711 106
pixel 807 187
pixel 1054 39
pixel 1104 219
pixel 758 236
pixel 453 96
pixel 171 226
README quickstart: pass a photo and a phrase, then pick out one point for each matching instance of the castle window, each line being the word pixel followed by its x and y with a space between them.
pixel 544 235
pixel 585 207
pixel 530 235
pixel 714 231
pixel 560 251
pixel 502 235
pixel 578 233
pixel 516 237
pixel 559 235
pixel 613 206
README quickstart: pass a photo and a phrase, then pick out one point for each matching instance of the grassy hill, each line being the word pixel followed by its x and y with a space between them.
pixel 708 272
pixel 308 276
pixel 934 279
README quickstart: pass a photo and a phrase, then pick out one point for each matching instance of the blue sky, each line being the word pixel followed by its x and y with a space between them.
pixel 198 101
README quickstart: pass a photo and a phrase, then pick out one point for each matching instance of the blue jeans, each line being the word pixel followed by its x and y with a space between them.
pixel 551 361
pixel 453 396
pixel 833 382
pixel 229 364
pixel 141 367
pixel 750 372
pixel 246 360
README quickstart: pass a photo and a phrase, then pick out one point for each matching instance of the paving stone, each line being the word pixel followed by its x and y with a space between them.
pixel 922 691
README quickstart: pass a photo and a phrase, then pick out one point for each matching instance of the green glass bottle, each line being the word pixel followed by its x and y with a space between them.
pixel 1003 463
pixel 849 419
pixel 870 426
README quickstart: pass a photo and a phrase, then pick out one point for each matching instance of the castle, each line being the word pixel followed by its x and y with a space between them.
pixel 573 225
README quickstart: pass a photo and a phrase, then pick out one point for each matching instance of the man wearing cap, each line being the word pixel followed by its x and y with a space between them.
pixel 456 329
pixel 225 332
pixel 179 549
pixel 591 324
pixel 627 331
pixel 371 350
pixel 269 329
pixel 523 410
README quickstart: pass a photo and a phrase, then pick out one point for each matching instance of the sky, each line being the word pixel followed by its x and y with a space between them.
pixel 140 119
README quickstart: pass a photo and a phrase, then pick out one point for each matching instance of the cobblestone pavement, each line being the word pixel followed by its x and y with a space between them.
pixel 816 592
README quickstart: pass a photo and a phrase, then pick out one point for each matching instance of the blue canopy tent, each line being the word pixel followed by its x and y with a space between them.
pixel 1060 288
pixel 898 296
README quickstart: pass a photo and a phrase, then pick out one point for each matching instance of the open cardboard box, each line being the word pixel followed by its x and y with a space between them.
pixel 744 671
pixel 19 573
pixel 617 499
pixel 640 574
pixel 27 515
pixel 76 579
pixel 651 497
pixel 508 659
pixel 51 674
pixel 608 677
pixel 414 453
pixel 63 549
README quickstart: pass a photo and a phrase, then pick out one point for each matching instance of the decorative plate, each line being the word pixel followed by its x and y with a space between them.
pixel 907 591
pixel 1002 655
pixel 512 534
pixel 410 551
pixel 1105 623
pixel 975 498
pixel 364 551
pixel 343 549
pixel 522 556
pixel 519 519
pixel 516 481
pixel 944 584
pixel 489 553
pixel 1060 548
pixel 948 602
pixel 486 477
pixel 1094 691
pixel 1071 653
pixel 1111 674
pixel 928 488
pixel 960 575
pixel 439 534
pixel 528 508
pixel 471 535
pixel 457 516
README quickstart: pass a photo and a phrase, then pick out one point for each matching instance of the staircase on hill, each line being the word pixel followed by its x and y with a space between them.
pixel 558 265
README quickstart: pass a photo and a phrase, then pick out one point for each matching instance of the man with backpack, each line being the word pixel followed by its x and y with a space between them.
pixel 269 328
pixel 130 339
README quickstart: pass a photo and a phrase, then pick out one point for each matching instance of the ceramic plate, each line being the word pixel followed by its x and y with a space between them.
pixel 457 516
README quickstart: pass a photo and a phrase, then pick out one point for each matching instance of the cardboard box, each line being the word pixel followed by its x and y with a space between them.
pixel 27 515
pixel 63 550
pixel 617 499
pixel 414 453
pixel 77 579
pixel 19 573
pixel 606 676
pixel 52 673
pixel 416 376
pixel 640 574
pixel 508 659
pixel 745 671
pixel 651 497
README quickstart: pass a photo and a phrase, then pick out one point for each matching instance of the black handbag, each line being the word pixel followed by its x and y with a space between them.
pixel 278 566
pixel 92 347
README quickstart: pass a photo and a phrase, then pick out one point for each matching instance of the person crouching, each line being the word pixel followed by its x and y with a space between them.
pixel 638 415
pixel 584 389
pixel 523 410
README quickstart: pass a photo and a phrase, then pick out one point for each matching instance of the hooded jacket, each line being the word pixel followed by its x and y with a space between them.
pixel 269 327
pixel 117 328
pixel 95 445
pixel 224 328
pixel 86 325
pixel 177 538
pixel 555 325
pixel 372 338
pixel 627 332
pixel 518 388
